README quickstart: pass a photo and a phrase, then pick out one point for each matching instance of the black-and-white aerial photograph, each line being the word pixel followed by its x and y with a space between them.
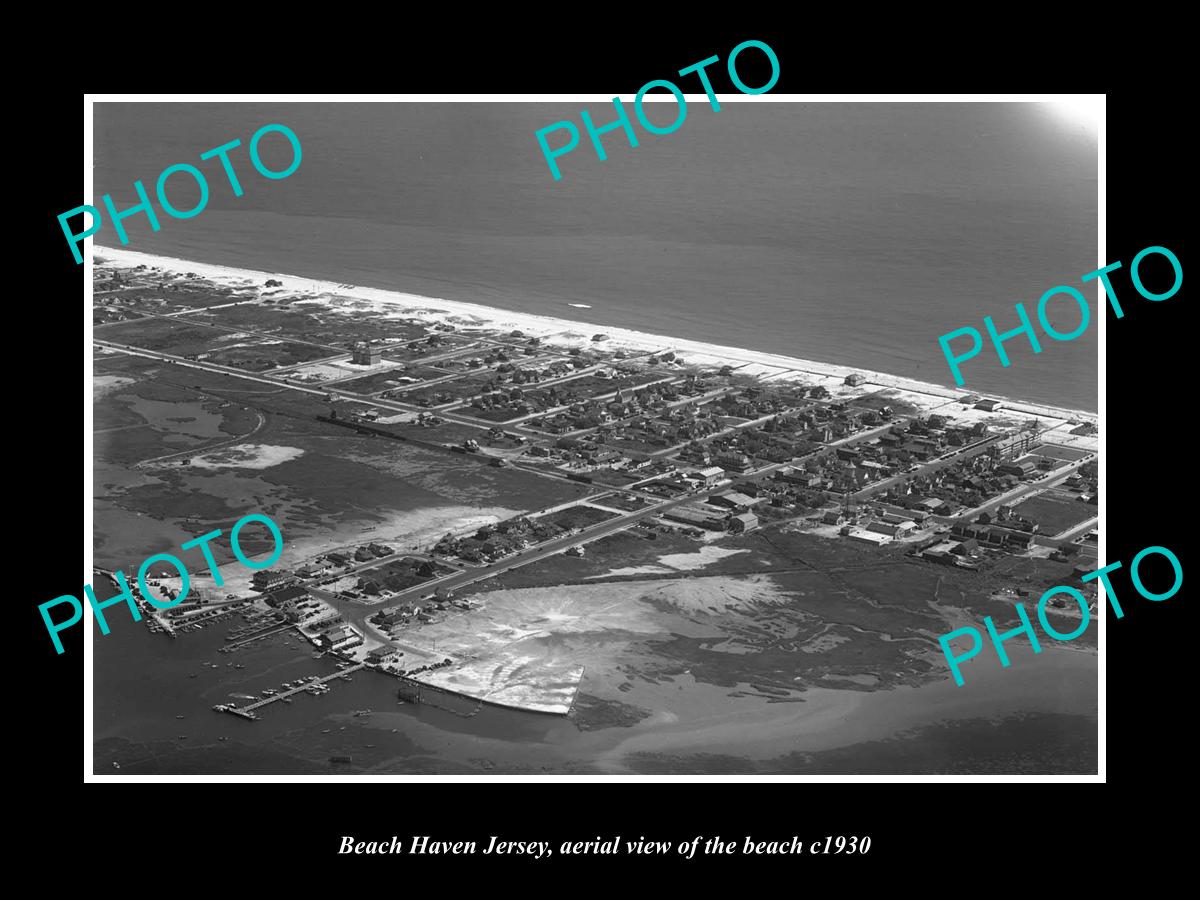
pixel 492 456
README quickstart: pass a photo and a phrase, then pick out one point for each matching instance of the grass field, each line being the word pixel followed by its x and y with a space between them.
pixel 1054 451
pixel 377 381
pixel 329 325
pixel 417 351
pixel 1054 513
pixel 261 356
pixel 173 336
pixel 106 315
pixel 577 517
pixel 321 483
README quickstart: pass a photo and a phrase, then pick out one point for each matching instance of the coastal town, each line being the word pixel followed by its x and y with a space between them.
pixel 612 438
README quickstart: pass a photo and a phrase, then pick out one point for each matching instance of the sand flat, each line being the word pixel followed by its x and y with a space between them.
pixel 246 456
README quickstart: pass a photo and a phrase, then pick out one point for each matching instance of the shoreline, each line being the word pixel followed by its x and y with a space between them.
pixel 549 325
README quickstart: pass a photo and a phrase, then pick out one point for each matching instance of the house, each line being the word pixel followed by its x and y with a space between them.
pixel 965 548
pixel 869 537
pixel 833 517
pixel 711 475
pixel 1018 468
pixel 733 460
pixel 735 500
pixel 269 580
pixel 884 528
pixel 341 637
pixel 966 529
pixel 692 516
pixel 288 594
pixel 876 470
pixel 855 379
pixel 989 405
pixel 363 354
pixel 743 522
pixel 379 654
pixel 792 475
pixel 1022 540
pixel 937 555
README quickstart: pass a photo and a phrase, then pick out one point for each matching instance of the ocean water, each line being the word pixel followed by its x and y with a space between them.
pixel 846 233
pixel 163 723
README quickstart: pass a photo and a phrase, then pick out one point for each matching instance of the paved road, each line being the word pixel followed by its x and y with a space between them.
pixel 1076 530
pixel 592 533
pixel 202 366
pixel 544 549
pixel 232 329
pixel 319 392
pixel 1024 490
pixel 603 529
pixel 557 545
pixel 120 428
pixel 926 468
pixel 200 451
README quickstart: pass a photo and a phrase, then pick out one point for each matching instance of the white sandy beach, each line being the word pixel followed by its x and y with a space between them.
pixel 533 642
pixel 435 309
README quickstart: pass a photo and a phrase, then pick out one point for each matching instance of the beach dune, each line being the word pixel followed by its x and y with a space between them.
pixel 437 309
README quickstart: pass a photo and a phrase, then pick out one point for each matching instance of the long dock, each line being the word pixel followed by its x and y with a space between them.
pixel 247 712
pixel 150 613
pixel 273 628
pixel 413 691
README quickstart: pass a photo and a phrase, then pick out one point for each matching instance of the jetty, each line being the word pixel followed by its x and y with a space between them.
pixel 413 691
pixel 248 711
pixel 268 630
pixel 150 614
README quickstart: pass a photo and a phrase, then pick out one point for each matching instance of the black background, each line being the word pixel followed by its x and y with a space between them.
pixel 937 829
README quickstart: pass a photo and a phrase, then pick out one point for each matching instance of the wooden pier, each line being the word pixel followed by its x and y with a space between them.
pixel 247 712
pixel 149 613
pixel 413 691
pixel 271 628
